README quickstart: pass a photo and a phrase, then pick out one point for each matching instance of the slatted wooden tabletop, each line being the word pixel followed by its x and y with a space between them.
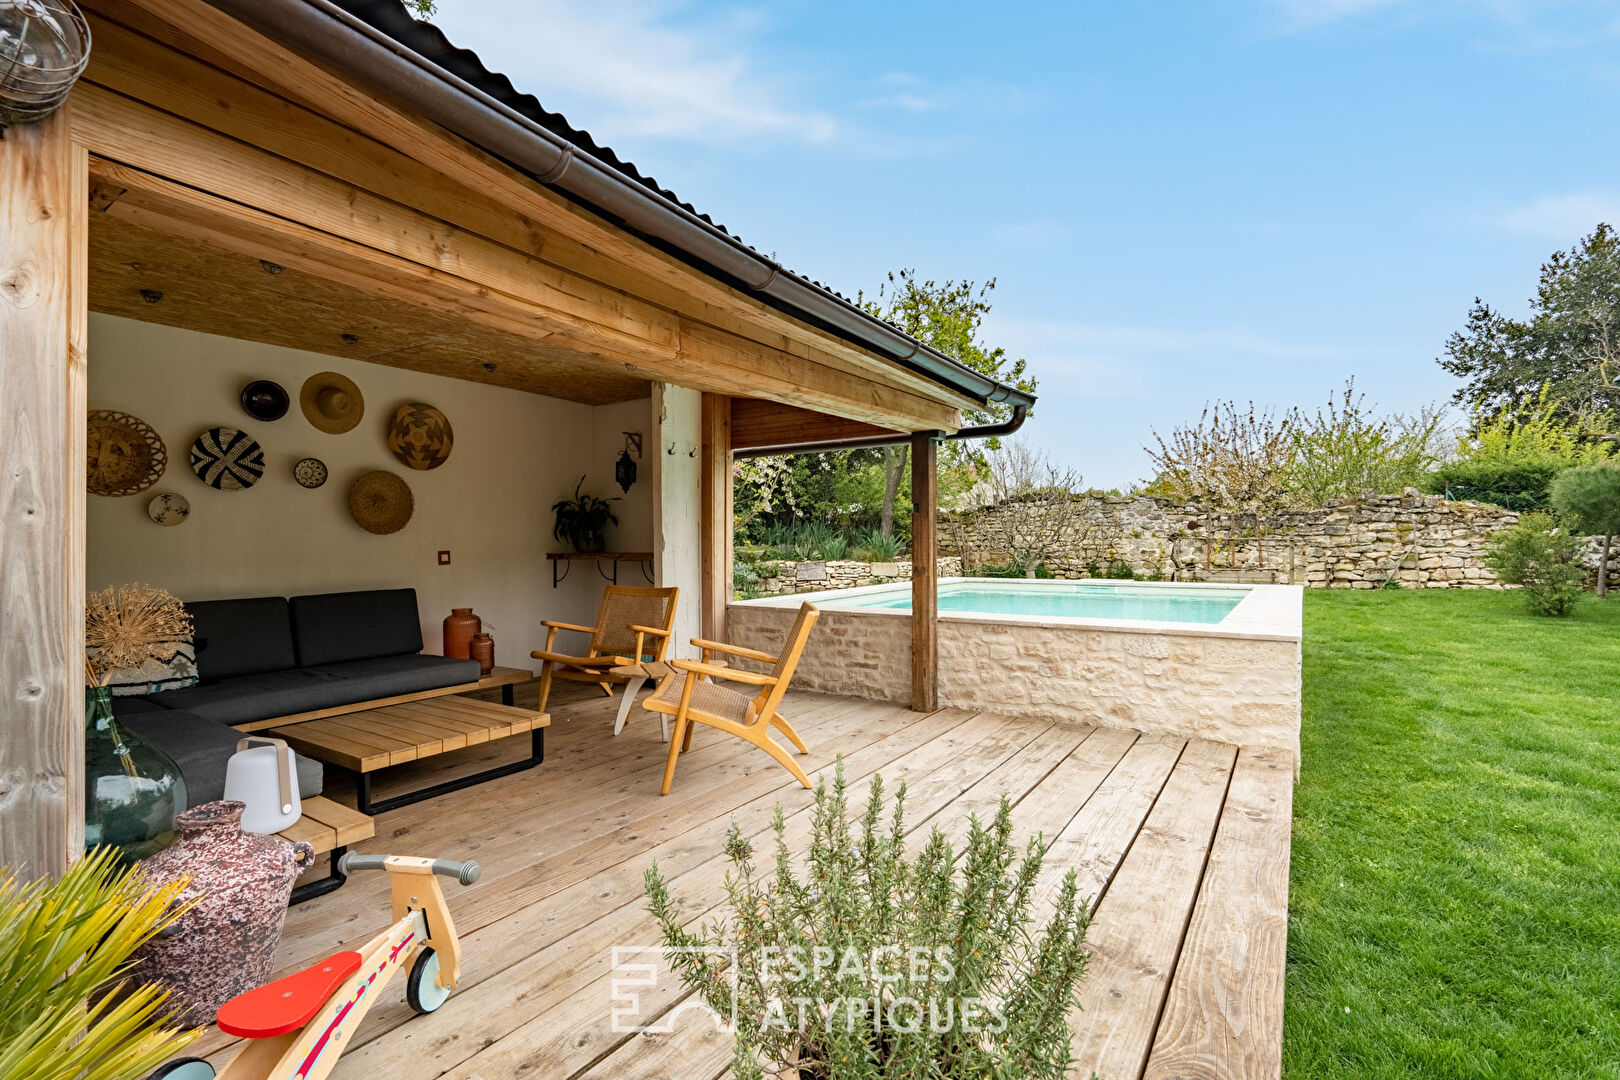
pixel 1183 844
pixel 327 825
pixel 392 735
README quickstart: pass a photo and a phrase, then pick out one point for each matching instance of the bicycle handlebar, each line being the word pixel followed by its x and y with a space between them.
pixel 464 872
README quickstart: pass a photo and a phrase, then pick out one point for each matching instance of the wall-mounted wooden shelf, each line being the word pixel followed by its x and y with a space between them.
pixel 562 562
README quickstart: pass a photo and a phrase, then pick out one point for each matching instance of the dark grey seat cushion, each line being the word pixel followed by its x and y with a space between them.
pixel 241 637
pixel 200 747
pixel 281 693
pixel 335 628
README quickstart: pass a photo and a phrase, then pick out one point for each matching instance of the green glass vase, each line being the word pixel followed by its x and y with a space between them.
pixel 132 790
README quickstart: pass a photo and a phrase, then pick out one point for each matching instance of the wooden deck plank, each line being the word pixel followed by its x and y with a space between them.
pixel 1136 934
pixel 564 849
pixel 1223 1018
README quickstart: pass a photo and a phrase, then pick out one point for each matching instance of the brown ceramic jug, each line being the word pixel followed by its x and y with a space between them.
pixel 241 882
pixel 482 649
pixel 459 627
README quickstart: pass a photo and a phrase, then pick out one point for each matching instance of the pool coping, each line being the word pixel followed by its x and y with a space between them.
pixel 1266 612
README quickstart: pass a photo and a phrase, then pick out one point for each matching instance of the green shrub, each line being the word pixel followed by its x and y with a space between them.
pixel 1543 558
pixel 1588 499
pixel 835 545
pixel 879 548
pixel 1012 572
pixel 1517 486
pixel 1119 569
pixel 872 962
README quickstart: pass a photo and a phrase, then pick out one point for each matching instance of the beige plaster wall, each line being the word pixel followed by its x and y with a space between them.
pixel 489 504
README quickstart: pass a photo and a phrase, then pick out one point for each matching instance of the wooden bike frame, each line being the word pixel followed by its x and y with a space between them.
pixel 421 919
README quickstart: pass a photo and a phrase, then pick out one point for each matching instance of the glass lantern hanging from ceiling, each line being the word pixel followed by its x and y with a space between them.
pixel 44 46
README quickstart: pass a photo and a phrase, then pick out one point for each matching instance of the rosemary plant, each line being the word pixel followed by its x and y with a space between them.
pixel 876 963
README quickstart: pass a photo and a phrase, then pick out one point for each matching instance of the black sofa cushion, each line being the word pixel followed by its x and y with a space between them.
pixel 241 637
pixel 200 747
pixel 335 628
pixel 270 694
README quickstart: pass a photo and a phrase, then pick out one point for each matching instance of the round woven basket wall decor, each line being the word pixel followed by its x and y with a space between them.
pixel 381 502
pixel 227 459
pixel 124 455
pixel 419 436
pixel 168 508
pixel 310 472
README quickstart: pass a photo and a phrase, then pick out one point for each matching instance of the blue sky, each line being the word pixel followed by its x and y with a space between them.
pixel 1180 201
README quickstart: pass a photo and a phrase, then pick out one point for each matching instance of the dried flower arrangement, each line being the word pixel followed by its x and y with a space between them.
pixel 126 626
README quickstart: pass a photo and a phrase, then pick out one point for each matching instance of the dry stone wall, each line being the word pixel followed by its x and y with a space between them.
pixel 814 576
pixel 1421 541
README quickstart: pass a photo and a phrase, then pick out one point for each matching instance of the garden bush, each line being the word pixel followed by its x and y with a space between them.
pixel 1513 485
pixel 1542 557
pixel 858 959
pixel 1588 500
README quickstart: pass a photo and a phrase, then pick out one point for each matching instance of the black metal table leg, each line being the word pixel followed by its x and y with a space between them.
pixel 332 882
pixel 362 785
pixel 506 694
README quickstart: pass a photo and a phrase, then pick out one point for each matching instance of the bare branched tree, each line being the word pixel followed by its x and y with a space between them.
pixel 1037 505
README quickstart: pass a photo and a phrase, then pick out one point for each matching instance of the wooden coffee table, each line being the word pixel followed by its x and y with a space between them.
pixel 363 742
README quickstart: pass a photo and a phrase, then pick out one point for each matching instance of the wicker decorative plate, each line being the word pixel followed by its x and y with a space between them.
pixel 381 502
pixel 125 455
pixel 168 508
pixel 227 459
pixel 419 435
pixel 310 472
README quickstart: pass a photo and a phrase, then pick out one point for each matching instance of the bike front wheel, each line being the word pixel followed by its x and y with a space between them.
pixel 422 990
pixel 187 1068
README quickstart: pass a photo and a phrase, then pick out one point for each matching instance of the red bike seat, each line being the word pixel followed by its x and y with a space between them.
pixel 286 1004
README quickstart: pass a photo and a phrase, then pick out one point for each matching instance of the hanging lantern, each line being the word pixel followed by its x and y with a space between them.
pixel 624 470
pixel 44 46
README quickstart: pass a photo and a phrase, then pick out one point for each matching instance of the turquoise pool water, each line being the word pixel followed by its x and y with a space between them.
pixel 1062 599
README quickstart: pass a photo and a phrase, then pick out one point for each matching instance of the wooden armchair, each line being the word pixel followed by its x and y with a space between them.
pixel 691 695
pixel 634 624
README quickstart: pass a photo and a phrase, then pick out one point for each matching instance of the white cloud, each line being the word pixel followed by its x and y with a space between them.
pixel 1563 219
pixel 638 68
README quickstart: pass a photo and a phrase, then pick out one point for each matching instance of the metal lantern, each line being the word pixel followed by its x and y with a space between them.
pixel 624 470
pixel 44 46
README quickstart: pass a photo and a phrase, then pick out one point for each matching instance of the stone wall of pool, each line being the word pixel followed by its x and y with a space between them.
pixel 1237 681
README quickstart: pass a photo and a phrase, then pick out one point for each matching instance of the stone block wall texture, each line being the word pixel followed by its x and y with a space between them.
pixel 1422 541
pixel 1232 690
pixel 841 574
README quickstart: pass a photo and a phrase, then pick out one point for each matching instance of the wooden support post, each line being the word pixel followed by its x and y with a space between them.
pixel 44 253
pixel 924 572
pixel 715 495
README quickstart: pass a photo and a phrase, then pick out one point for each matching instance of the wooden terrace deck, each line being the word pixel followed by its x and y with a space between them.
pixel 1185 844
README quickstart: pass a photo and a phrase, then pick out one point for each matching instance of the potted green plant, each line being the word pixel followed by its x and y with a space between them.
pixel 870 962
pixel 68 1010
pixel 583 520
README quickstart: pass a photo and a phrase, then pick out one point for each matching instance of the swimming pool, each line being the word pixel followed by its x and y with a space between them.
pixel 1191 660
pixel 1061 599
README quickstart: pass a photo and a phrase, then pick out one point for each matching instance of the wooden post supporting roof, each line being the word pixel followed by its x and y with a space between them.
pixel 924 572
pixel 716 514
pixel 44 202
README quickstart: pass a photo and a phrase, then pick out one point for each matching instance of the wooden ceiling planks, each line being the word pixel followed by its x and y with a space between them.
pixel 223 292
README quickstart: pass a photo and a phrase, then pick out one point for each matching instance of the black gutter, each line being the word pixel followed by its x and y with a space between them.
pixel 370 56
pixel 869 442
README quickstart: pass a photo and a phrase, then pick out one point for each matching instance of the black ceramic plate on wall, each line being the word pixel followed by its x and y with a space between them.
pixel 265 400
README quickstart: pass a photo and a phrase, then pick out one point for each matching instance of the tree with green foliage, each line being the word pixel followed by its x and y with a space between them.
pixel 1510 458
pixel 1588 500
pixel 947 315
pixel 1348 448
pixel 1568 347
pixel 1544 558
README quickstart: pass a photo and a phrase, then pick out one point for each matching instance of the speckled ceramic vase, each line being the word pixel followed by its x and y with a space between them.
pixel 241 883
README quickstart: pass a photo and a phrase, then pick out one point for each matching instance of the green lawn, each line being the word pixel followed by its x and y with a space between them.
pixel 1455 893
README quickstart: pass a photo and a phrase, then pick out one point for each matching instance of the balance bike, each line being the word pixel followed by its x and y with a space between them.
pixel 300 1025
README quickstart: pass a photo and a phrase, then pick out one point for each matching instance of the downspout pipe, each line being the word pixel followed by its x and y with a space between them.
pixel 868 442
pixel 343 42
